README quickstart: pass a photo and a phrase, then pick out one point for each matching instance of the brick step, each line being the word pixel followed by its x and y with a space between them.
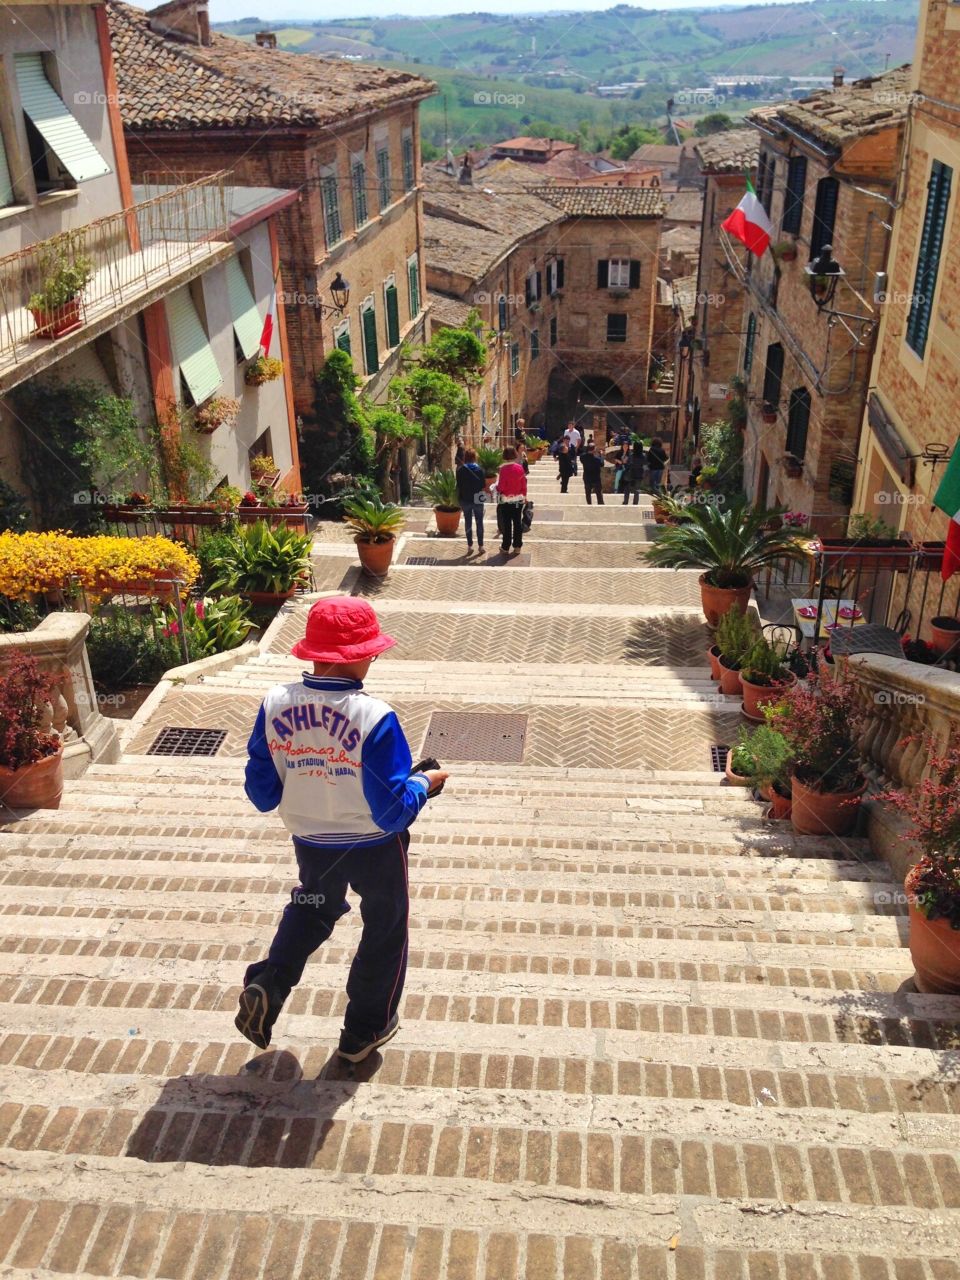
pixel 620 587
pixel 585 533
pixel 561 674
pixel 537 552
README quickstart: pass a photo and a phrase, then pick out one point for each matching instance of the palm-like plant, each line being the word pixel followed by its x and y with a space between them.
pixel 729 542
pixel 491 460
pixel 372 519
pixel 440 490
pixel 259 558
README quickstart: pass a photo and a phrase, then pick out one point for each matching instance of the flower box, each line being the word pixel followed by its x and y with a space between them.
pixel 57 322
pixel 293 515
pixel 930 556
pixel 127 513
pixel 895 554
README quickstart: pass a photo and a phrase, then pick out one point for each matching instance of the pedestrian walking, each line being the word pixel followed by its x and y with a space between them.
pixel 470 496
pixel 574 440
pixel 656 460
pixel 566 464
pixel 592 472
pixel 523 459
pixel 511 496
pixel 620 460
pixel 633 476
pixel 336 763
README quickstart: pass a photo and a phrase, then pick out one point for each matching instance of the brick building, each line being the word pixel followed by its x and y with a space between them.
pixel 719 321
pixel 344 135
pixel 915 383
pixel 826 172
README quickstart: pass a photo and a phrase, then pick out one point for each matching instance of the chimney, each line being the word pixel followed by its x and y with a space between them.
pixel 266 40
pixel 838 77
pixel 184 20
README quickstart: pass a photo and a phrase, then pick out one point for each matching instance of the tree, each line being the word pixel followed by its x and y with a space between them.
pixel 456 352
pixel 392 430
pixel 625 142
pixel 715 122
pixel 341 441
pixel 436 400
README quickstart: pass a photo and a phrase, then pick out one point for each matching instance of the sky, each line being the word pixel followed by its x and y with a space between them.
pixel 228 10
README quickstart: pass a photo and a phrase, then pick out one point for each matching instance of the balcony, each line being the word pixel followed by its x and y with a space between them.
pixel 138 255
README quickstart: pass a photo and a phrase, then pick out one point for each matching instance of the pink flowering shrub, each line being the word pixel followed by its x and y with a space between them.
pixel 25 693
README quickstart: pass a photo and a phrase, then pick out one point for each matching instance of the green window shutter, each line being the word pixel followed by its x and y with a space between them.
pixel 798 419
pixel 247 324
pixel 191 349
pixel 383 176
pixel 6 186
pixel 793 199
pixel 514 358
pixel 534 343
pixel 413 277
pixel 54 123
pixel 359 193
pixel 750 343
pixel 393 315
pixel 332 227
pixel 773 375
pixel 928 258
pixel 343 341
pixel 371 351
pixel 824 215
pixel 408 165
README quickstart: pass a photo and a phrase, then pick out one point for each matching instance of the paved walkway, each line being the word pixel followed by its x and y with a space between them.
pixel 646 1035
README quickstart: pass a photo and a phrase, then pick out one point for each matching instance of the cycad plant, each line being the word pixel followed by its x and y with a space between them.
pixel 372 519
pixel 728 541
pixel 440 490
pixel 259 558
pixel 491 460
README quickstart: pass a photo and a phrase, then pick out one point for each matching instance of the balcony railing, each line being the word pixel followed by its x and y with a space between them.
pixel 129 253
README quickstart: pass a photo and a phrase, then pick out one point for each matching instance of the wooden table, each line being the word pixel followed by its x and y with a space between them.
pixel 829 617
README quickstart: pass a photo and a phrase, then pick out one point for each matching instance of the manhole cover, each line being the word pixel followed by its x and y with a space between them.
pixel 187 742
pixel 430 560
pixel 718 758
pixel 471 735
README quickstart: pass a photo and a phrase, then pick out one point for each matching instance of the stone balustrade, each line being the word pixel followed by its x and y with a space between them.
pixel 59 645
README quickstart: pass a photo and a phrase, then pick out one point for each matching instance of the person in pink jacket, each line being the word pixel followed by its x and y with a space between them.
pixel 511 495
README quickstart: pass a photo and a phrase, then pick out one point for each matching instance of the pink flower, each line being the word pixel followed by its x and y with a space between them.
pixel 198 608
pixel 172 630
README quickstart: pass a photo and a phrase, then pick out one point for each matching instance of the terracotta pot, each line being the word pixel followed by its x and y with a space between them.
pixel 781 806
pixel 263 598
pixel 448 522
pixel 110 585
pixel 55 323
pixel 716 601
pixel 934 948
pixel 713 657
pixel 768 417
pixel 944 633
pixel 825 813
pixel 729 678
pixel 35 786
pixel 756 696
pixel 735 779
pixel 375 557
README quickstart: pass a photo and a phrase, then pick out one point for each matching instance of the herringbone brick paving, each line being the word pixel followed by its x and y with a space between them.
pixel 646 1035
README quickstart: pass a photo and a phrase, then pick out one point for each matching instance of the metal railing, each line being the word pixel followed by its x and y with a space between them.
pixel 123 255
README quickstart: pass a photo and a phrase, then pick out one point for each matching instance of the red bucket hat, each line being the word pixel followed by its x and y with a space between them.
pixel 342 629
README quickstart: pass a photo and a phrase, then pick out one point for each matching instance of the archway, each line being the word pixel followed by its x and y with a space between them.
pixel 568 394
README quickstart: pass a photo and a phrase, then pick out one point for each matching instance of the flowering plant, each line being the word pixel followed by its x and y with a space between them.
pixel 263 369
pixel 821 726
pixel 215 412
pixel 249 499
pixel 796 519
pixel 137 499
pixel 933 810
pixel 33 563
pixel 25 693
pixel 210 625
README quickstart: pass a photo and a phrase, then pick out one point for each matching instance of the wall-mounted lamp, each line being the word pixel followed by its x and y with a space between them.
pixel 823 272
pixel 339 291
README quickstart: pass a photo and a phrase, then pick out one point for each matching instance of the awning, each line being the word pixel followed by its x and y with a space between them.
pixel 59 130
pixel 247 324
pixel 191 349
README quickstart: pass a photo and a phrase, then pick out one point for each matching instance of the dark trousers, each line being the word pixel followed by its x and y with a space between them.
pixel 629 486
pixel 564 481
pixel 510 520
pixel 656 480
pixel 472 511
pixel 378 874
pixel 591 487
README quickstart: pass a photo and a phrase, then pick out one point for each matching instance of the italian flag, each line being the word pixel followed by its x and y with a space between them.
pixel 749 223
pixel 947 498
pixel 266 336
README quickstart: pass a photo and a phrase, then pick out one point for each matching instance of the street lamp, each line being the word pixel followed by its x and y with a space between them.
pixel 339 291
pixel 823 272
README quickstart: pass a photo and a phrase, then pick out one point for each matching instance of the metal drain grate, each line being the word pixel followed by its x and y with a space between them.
pixel 428 560
pixel 718 758
pixel 496 737
pixel 187 742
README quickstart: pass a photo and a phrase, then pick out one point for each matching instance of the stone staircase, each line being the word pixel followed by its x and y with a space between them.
pixel 647 1035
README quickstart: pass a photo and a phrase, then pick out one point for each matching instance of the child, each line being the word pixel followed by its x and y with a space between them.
pixel 337 763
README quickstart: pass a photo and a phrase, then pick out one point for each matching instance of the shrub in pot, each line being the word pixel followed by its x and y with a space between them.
pixel 55 306
pixel 763 675
pixel 440 490
pixel 735 638
pixel 770 757
pixel 31 756
pixel 490 460
pixel 375 524
pixel 263 369
pixel 933 882
pixel 730 542
pixel 739 766
pixel 262 563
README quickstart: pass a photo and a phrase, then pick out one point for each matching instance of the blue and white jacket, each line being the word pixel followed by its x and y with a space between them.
pixel 336 762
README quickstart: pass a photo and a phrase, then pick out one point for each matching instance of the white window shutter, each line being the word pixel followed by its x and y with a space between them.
pixel 247 324
pixel 59 130
pixel 191 349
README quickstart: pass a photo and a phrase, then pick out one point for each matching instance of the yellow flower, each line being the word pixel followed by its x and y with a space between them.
pixel 32 563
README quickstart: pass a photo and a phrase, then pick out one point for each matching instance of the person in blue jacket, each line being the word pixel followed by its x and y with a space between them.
pixel 335 761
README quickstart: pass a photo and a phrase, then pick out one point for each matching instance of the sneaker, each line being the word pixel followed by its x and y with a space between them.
pixel 480 549
pixel 355 1049
pixel 503 549
pixel 260 1003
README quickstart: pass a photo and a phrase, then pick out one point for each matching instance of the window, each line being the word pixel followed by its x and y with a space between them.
pixel 60 151
pixel 409 169
pixel 766 168
pixel 616 328
pixel 553 331
pixel 247 325
pixel 618 273
pixel 501 313
pixel 928 257
pixel 749 344
pixel 371 350
pixel 824 215
pixel 358 175
pixel 383 176
pixel 330 198
pixel 341 336
pixel 483 415
pixel 514 359
pixel 532 287
pixel 6 186
pixel 798 419
pixel 413 285
pixel 554 275
pixel 392 308
pixel 773 375
pixel 534 343
pixel 793 197
pixel 191 348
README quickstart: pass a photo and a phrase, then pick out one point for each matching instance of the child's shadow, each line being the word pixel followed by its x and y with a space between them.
pixel 268 1115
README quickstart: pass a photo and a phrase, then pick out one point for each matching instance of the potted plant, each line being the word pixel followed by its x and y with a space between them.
pixel 739 766
pixel 798 522
pixel 713 657
pixel 55 306
pixel 919 651
pixel 822 727
pixel 31 755
pixel 376 524
pixel 731 544
pixel 491 460
pixel 440 490
pixel 735 638
pixel 669 506
pixel 770 759
pixel 784 250
pixel 535 448
pixel 933 882
pixel 944 634
pixel 930 556
pixel 763 675
pixel 263 369
pixel 215 412
pixel 263 470
pixel 870 543
pixel 793 466
pixel 768 412
pixel 266 565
